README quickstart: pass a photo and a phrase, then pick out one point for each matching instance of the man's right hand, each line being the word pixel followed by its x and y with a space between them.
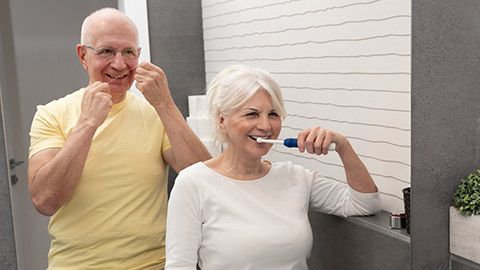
pixel 96 103
pixel 53 173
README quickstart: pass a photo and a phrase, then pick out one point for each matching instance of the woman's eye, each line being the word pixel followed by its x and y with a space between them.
pixel 251 115
pixel 273 115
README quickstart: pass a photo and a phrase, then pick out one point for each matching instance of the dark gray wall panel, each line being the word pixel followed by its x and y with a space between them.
pixel 459 263
pixel 346 244
pixel 176 45
pixel 445 119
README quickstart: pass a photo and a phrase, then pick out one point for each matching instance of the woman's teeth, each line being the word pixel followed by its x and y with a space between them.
pixel 256 137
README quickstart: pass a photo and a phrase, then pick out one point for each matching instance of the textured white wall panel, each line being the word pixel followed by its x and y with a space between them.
pixel 343 65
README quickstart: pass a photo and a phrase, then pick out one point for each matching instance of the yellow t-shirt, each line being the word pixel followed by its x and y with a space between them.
pixel 115 218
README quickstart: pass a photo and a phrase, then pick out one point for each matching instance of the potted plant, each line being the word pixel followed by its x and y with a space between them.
pixel 465 219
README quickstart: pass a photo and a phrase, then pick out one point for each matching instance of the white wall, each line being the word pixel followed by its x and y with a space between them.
pixel 342 64
pixel 137 11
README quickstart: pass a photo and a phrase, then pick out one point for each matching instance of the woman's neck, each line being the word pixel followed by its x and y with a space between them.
pixel 237 166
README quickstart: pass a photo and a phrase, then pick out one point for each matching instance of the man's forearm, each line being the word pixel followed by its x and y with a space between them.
pixel 186 146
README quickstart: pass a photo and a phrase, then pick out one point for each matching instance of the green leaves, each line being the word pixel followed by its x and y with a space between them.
pixel 467 196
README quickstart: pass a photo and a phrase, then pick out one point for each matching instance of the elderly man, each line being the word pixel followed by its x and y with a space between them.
pixel 98 156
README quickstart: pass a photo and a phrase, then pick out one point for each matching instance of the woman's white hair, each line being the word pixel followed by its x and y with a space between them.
pixel 233 86
pixel 86 36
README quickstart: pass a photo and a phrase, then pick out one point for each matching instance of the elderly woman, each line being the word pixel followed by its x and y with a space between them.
pixel 238 211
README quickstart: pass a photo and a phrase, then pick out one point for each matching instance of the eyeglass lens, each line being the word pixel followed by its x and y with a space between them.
pixel 106 52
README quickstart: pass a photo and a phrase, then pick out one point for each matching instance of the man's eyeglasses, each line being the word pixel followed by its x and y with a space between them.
pixel 109 53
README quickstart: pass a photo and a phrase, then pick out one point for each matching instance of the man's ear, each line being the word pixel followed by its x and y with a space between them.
pixel 81 53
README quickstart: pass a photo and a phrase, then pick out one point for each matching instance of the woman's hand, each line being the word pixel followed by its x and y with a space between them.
pixel 316 140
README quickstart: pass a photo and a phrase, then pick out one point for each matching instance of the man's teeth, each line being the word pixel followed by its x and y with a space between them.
pixel 117 77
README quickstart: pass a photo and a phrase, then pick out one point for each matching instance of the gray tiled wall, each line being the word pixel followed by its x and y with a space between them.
pixel 445 119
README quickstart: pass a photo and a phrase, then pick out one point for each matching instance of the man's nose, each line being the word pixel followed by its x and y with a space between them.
pixel 118 62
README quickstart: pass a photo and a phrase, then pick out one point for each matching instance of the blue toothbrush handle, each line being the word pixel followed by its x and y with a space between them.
pixel 290 142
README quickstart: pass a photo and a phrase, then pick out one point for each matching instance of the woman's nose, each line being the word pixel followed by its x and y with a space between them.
pixel 264 123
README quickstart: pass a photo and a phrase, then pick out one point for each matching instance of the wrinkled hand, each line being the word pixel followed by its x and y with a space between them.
pixel 316 140
pixel 96 103
pixel 152 82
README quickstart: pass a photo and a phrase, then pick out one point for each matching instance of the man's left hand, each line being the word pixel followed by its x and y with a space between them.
pixel 153 84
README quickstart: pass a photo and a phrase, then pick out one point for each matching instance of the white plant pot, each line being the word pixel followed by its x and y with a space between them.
pixel 465 235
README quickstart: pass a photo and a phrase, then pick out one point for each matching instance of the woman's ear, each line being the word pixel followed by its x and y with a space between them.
pixel 221 122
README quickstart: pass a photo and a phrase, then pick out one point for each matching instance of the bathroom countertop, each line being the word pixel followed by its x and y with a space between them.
pixel 381 223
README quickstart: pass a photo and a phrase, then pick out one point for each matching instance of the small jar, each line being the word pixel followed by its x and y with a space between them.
pixel 397 220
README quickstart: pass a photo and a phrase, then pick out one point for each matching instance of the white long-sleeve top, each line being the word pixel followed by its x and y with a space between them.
pixel 225 223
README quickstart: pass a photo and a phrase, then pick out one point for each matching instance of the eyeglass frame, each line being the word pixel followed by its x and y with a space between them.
pixel 122 51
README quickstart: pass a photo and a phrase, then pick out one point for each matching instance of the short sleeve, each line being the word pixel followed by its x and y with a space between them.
pixel 45 131
pixel 166 142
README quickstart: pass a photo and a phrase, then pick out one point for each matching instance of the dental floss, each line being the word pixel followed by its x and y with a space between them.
pixel 121 74
pixel 290 142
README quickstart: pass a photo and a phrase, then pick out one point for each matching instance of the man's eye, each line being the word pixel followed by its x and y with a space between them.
pixel 129 52
pixel 106 51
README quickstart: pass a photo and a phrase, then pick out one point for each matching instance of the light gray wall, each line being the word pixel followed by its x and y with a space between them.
pixel 40 65
pixel 8 249
pixel 8 253
pixel 445 119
